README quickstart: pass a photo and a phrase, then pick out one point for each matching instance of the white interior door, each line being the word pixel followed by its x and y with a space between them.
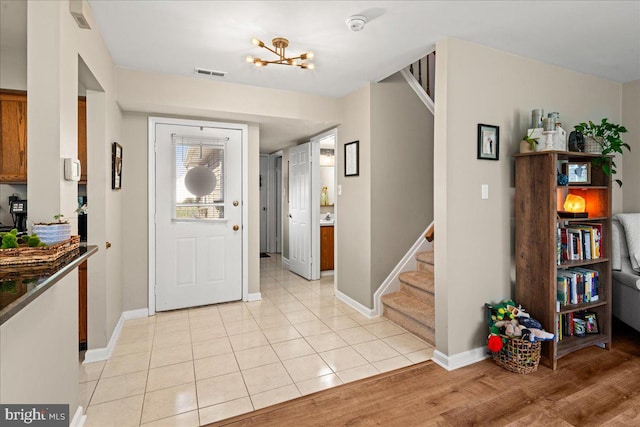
pixel 198 209
pixel 300 225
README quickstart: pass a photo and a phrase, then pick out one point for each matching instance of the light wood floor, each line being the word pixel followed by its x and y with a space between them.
pixel 592 387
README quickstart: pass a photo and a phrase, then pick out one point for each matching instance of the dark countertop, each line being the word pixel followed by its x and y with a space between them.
pixel 19 286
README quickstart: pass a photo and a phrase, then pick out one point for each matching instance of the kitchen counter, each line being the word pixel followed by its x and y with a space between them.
pixel 19 287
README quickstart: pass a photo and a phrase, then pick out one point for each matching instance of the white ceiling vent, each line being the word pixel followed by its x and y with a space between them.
pixel 209 73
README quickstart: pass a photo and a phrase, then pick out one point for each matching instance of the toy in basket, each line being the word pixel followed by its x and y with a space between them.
pixel 514 337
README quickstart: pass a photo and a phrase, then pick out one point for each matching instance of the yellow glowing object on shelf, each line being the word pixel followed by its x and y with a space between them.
pixel 574 203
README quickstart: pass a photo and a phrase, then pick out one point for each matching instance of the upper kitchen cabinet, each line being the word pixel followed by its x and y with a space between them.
pixel 13 134
pixel 13 137
pixel 82 137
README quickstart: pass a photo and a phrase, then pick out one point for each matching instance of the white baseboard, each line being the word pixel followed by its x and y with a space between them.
pixel 285 261
pixel 460 360
pixel 254 297
pixel 78 419
pixel 407 263
pixel 326 273
pixel 365 311
pixel 104 353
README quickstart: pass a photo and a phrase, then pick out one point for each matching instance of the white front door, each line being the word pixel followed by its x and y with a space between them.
pixel 198 209
pixel 300 210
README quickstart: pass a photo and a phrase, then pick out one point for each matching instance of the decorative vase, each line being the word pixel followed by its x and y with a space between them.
pixel 593 144
pixel 525 147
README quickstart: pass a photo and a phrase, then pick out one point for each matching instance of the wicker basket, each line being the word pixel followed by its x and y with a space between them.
pixel 25 255
pixel 519 356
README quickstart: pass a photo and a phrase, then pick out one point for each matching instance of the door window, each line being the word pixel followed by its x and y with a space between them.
pixel 199 179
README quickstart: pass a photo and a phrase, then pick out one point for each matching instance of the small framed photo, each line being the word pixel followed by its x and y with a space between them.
pixel 591 321
pixel 352 159
pixel 488 142
pixel 116 166
pixel 577 172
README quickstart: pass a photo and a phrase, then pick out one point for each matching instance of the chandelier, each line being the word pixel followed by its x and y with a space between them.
pixel 279 46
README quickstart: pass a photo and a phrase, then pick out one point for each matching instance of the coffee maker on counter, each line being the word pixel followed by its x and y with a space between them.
pixel 18 211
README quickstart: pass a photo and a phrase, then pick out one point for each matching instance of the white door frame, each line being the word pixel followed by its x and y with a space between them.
pixel 274 228
pixel 315 197
pixel 244 129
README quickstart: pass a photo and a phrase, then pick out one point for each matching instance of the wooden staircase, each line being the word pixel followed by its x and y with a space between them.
pixel 413 306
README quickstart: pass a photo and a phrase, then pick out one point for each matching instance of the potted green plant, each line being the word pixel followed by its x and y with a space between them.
pixel 604 139
pixel 528 144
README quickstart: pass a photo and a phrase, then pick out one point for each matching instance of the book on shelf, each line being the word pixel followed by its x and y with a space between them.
pixel 578 242
pixel 577 286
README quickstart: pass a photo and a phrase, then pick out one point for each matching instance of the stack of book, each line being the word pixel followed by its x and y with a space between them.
pixel 576 286
pixel 579 242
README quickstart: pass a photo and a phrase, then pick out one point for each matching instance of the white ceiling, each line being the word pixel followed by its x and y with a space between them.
pixel 600 38
pixel 173 37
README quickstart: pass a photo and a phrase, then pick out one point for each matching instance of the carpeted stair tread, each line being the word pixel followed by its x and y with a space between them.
pixel 418 329
pixel 418 279
pixel 426 256
pixel 411 307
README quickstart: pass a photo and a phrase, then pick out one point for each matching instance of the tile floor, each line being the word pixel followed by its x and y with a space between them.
pixel 196 366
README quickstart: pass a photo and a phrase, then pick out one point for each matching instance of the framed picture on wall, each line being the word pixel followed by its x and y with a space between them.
pixel 116 166
pixel 488 142
pixel 351 159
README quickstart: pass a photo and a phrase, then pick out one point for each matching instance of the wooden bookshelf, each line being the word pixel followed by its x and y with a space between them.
pixel 538 198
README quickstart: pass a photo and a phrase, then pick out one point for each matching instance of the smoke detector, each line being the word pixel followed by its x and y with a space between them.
pixel 356 22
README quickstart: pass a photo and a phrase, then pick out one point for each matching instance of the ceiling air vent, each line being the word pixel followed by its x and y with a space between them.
pixel 210 73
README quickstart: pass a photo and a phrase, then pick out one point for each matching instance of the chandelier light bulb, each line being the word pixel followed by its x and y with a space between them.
pixel 311 66
pixel 257 42
pixel 308 55
pixel 250 59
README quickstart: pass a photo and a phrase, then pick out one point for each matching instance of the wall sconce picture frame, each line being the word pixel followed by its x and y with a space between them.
pixel 352 158
pixel 488 142
pixel 579 173
pixel 116 166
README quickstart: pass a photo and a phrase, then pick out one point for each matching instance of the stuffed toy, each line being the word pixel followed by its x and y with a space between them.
pixel 502 310
pixel 511 328
pixel 529 323
pixel 539 334
pixel 494 343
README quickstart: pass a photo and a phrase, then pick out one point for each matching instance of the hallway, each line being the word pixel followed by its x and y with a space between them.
pixel 195 366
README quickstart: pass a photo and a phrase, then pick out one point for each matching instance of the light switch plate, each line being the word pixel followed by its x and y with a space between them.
pixel 485 191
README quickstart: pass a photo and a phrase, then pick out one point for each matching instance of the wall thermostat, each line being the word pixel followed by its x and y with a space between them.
pixel 72 169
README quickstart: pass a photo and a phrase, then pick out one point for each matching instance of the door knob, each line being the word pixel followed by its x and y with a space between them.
pixel 107 245
pixel 236 227
pixel 235 203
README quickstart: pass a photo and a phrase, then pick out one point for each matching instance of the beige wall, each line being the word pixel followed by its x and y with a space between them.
pixel 402 177
pixel 39 362
pixel 631 160
pixel 475 239
pixel 135 226
pixel 353 225
pixel 55 44
pixel 144 94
